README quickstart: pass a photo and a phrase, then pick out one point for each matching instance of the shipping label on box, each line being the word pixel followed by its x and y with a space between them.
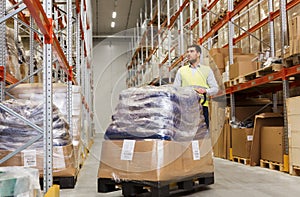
pixel 29 158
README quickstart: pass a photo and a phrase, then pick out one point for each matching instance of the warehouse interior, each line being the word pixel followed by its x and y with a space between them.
pixel 90 106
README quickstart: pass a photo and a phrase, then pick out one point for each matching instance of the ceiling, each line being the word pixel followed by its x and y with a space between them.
pixel 128 11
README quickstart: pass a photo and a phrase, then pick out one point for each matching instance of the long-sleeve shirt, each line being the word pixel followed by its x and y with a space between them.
pixel 211 81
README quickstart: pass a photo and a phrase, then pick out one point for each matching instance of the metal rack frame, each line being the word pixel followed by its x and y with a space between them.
pixel 164 32
pixel 281 75
pixel 42 16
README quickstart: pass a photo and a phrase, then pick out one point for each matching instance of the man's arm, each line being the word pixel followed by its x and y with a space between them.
pixel 212 83
pixel 177 80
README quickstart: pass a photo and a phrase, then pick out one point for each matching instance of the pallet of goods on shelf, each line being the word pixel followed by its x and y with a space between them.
pixel 15 133
pixel 34 92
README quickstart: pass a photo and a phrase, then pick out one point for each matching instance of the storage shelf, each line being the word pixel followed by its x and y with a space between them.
pixel 45 26
pixel 55 40
pixel 224 21
pixel 263 22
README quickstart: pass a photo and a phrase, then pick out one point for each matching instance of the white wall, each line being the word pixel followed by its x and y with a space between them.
pixel 109 64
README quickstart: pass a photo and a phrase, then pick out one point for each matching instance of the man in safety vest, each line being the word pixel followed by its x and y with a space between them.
pixel 196 74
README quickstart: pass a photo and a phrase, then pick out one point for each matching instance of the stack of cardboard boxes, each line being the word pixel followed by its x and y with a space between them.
pixel 264 141
pixel 242 63
pixel 294 134
pixel 154 160
pixel 294 35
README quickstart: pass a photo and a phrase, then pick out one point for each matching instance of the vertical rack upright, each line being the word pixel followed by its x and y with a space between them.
pixel 44 22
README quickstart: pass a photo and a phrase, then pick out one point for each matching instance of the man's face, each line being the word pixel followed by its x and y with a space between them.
pixel 192 55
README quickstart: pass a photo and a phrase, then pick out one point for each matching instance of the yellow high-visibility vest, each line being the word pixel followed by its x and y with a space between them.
pixel 188 78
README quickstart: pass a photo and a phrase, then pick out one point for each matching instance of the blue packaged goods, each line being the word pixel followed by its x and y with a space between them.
pixel 165 112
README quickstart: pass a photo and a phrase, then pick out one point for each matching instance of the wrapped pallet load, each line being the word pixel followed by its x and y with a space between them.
pixel 157 134
pixel 34 92
pixel 14 133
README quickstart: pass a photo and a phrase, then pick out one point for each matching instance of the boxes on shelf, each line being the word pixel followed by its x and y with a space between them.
pixel 293 115
pixel 242 65
pixel 155 160
pixel 63 160
pixel 219 54
pixel 34 92
pixel 242 142
pixel 294 28
pixel 294 35
pixel 262 120
pixel 271 144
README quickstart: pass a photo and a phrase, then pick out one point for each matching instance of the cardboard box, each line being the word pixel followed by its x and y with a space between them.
pixel 271 144
pixel 242 142
pixel 261 120
pixel 294 28
pixel 241 68
pixel 63 160
pixel 222 141
pixel 243 58
pixel 155 160
pixel 218 59
pixel 224 51
pixel 293 115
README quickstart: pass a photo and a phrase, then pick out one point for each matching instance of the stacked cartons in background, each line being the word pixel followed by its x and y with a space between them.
pixel 34 92
pixel 293 115
pixel 294 35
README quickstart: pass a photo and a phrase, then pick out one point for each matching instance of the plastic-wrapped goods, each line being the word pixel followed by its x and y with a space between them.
pixel 14 132
pixel 165 112
pixel 19 182
pixel 34 92
pixel 37 64
pixel 12 65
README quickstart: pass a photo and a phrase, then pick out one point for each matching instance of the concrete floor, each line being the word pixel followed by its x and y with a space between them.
pixel 231 179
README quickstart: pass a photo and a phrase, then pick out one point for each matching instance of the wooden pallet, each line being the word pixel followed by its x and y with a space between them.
pixel 255 74
pixel 271 165
pixel 63 182
pixel 241 160
pixel 293 60
pixel 227 84
pixel 295 170
pixel 155 189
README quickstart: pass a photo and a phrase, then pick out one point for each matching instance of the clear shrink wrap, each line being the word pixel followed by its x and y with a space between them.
pixel 34 92
pixel 165 112
pixel 19 182
pixel 14 132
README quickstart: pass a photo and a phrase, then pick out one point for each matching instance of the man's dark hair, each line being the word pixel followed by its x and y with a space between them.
pixel 197 47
